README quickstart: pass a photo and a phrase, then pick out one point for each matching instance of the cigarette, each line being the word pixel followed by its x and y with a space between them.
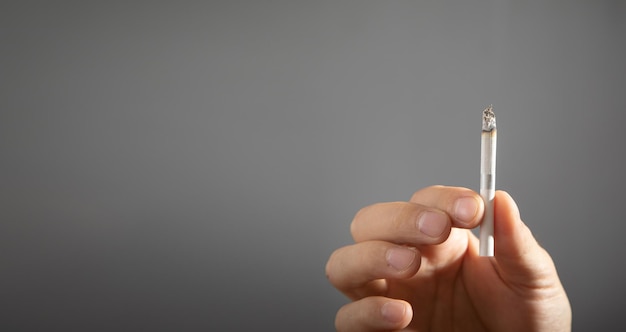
pixel 488 140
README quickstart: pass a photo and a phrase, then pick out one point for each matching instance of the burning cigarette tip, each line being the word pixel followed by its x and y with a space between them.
pixel 489 119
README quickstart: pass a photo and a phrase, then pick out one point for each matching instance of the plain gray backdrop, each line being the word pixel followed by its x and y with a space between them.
pixel 190 166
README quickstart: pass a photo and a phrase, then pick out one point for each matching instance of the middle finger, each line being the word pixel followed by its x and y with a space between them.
pixel 358 270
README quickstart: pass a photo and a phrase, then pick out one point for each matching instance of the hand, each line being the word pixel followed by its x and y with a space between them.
pixel 415 266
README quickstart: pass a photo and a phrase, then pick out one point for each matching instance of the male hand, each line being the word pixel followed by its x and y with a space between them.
pixel 415 267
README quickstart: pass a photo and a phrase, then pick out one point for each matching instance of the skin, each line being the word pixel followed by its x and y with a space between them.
pixel 414 266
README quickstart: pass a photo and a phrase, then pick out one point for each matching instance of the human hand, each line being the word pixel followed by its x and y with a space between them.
pixel 415 267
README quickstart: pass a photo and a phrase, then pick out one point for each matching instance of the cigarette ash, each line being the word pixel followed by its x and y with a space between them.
pixel 489 119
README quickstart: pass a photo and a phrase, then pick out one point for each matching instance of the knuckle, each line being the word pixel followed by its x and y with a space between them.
pixel 436 187
pixel 328 270
pixel 357 221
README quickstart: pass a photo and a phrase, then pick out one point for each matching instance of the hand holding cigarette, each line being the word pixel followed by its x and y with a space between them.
pixel 416 265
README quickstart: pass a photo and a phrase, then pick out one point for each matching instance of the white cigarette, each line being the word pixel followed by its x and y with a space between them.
pixel 488 140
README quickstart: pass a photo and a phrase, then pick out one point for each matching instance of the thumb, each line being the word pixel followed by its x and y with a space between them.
pixel 520 259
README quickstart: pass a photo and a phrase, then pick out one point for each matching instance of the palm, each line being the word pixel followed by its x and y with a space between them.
pixel 456 290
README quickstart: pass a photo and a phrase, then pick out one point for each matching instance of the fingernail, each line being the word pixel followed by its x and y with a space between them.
pixel 432 223
pixel 465 209
pixel 400 258
pixel 393 311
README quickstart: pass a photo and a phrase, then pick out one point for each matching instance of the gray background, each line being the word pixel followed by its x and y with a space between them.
pixel 189 166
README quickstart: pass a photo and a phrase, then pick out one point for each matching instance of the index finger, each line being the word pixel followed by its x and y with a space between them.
pixel 401 223
pixel 464 206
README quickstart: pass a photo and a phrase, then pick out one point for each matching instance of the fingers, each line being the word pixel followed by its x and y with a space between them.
pixel 519 256
pixel 401 222
pixel 383 231
pixel 357 270
pixel 464 206
pixel 426 219
pixel 374 314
